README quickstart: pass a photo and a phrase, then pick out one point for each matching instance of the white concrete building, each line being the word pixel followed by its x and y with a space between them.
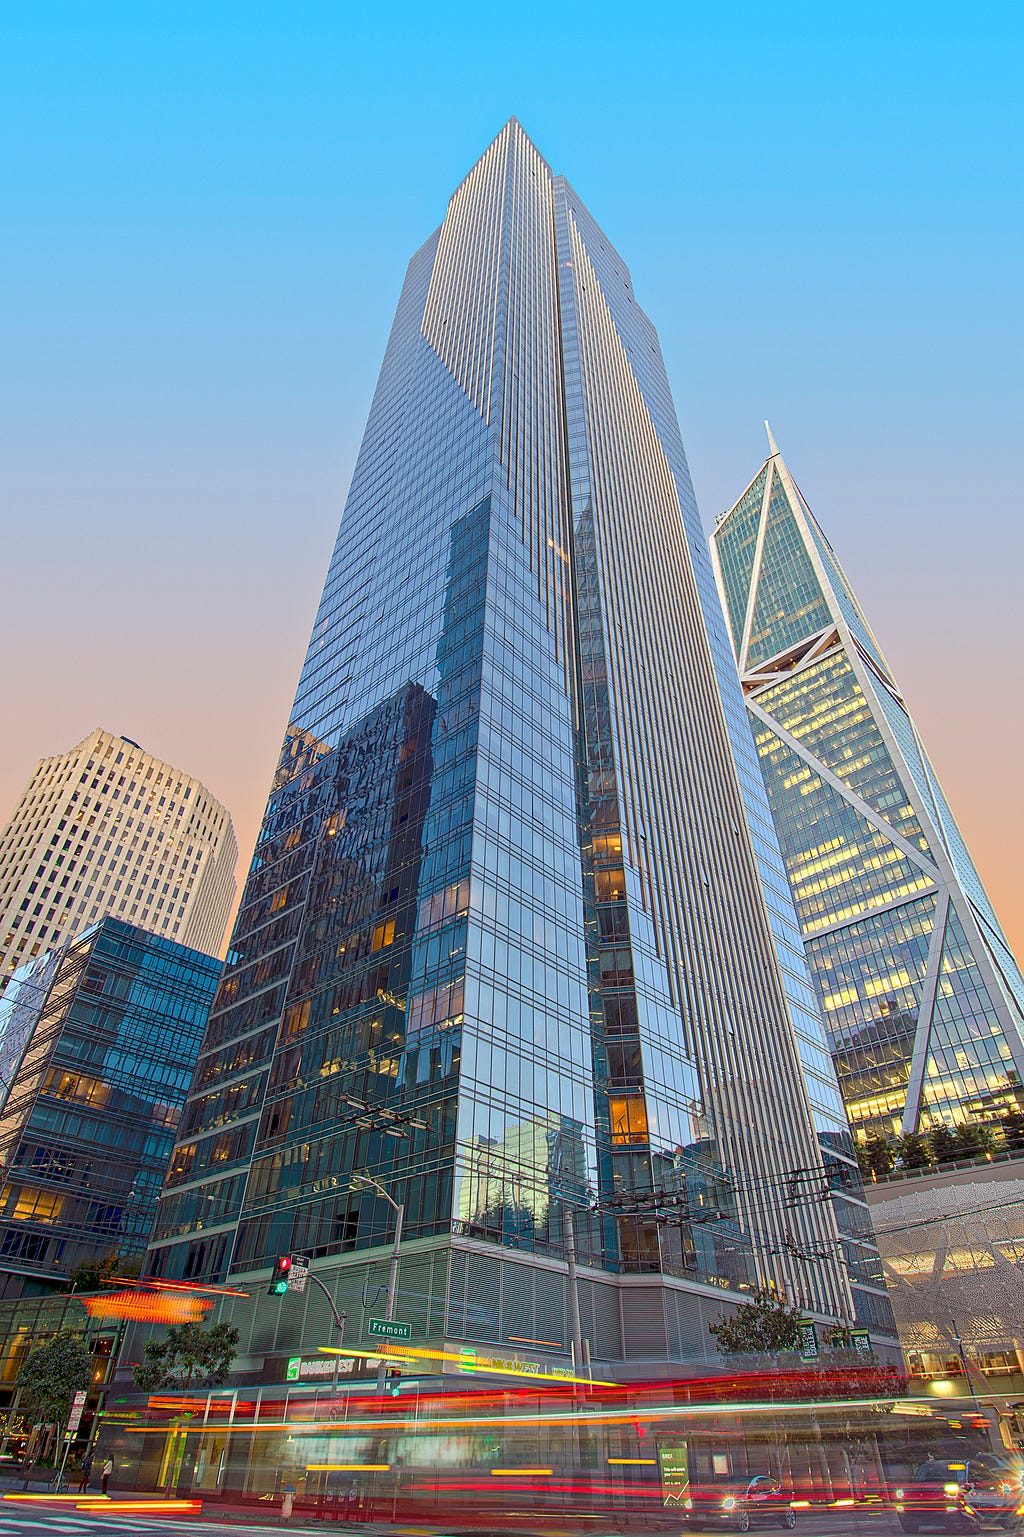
pixel 108 829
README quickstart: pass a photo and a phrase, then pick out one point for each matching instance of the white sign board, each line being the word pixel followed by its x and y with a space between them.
pixel 297 1276
pixel 75 1417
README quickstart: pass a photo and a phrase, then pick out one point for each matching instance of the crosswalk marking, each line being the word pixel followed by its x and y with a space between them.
pixel 108 1522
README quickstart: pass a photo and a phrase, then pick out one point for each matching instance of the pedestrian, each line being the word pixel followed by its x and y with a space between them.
pixel 105 1472
pixel 83 1482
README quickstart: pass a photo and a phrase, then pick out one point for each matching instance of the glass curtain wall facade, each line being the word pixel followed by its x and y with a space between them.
pixel 503 944
pixel 922 996
pixel 97 1044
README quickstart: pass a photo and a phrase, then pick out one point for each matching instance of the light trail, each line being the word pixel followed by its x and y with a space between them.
pixel 417 1353
pixel 582 1417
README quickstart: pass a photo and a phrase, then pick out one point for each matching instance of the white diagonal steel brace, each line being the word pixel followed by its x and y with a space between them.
pixel 755 571
pixel 860 806
pixel 870 913
pixel 926 1008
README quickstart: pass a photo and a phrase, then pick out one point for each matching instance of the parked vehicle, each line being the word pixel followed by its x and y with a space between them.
pixel 761 1501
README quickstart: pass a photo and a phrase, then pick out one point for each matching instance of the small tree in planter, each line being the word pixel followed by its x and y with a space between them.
pixel 764 1326
pixel 53 1373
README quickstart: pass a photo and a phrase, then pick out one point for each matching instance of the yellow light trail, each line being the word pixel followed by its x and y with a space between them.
pixel 522 1472
pixel 348 1467
pixel 187 1506
pixel 417 1353
pixel 48 1499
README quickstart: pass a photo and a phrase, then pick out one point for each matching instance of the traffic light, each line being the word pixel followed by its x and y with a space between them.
pixel 392 1381
pixel 279 1280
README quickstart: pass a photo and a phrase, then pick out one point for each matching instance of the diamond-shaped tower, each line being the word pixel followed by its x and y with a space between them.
pixel 923 999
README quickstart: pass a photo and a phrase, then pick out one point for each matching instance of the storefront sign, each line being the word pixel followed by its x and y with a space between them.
pixel 320 1368
pixel 470 1361
pixel 808 1341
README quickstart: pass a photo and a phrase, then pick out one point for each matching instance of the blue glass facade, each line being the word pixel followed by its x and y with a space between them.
pixel 921 994
pixel 97 1044
pixel 503 945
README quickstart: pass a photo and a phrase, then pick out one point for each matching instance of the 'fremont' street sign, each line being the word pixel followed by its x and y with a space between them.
pixel 388 1329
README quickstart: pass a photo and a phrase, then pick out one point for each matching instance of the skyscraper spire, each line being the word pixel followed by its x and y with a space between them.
pixel 773 447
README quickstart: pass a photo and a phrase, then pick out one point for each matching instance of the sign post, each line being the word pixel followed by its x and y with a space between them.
pixel 74 1420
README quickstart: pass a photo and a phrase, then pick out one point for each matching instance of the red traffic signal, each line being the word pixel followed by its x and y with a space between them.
pixel 279 1279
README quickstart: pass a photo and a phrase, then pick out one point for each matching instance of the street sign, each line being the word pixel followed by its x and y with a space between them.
pixel 298 1275
pixel 808 1341
pixel 75 1417
pixel 387 1328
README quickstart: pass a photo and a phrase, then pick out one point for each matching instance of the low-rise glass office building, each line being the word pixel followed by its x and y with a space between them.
pixel 98 1040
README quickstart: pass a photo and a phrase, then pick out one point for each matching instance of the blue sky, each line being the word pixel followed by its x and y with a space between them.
pixel 207 211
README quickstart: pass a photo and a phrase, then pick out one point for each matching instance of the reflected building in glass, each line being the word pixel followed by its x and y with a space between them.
pixel 923 998
pixel 98 1039
pixel 510 944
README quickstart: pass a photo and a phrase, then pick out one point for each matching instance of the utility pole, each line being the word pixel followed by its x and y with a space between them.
pixel 389 1311
pixel 580 1366
pixel 958 1342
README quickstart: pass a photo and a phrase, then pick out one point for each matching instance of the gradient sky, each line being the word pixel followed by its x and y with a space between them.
pixel 206 215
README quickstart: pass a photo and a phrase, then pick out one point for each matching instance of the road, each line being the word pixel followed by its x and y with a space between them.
pixel 55 1521
pixel 39 1522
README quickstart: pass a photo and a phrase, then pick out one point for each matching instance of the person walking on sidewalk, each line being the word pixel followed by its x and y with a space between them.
pixel 83 1482
pixel 105 1472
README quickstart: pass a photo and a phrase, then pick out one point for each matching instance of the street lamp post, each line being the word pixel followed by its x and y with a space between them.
pixel 366 1181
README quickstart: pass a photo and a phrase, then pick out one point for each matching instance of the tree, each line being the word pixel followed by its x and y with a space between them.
pixel 973 1141
pixel 186 1352
pixel 92 1274
pixel 1013 1129
pixel 943 1143
pixel 914 1151
pixel 876 1155
pixel 764 1326
pixel 52 1374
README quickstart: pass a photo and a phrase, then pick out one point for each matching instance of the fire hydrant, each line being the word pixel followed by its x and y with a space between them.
pixel 287 1502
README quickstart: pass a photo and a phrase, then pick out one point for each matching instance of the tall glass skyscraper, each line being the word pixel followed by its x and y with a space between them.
pixel 509 944
pixel 923 999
